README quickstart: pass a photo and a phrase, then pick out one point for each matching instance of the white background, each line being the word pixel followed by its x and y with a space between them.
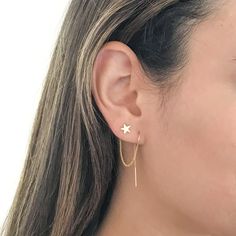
pixel 28 31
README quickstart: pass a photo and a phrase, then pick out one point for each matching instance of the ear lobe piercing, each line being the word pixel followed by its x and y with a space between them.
pixel 125 129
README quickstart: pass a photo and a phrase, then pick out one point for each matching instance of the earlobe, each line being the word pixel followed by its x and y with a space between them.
pixel 114 87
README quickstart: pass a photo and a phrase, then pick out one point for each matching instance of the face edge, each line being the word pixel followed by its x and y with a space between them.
pixel 197 148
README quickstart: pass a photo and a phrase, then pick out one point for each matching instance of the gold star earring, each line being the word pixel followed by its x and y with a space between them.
pixel 125 129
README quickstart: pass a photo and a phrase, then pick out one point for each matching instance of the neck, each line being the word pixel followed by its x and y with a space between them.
pixel 139 211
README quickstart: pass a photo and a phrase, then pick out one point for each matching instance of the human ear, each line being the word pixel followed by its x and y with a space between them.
pixel 116 89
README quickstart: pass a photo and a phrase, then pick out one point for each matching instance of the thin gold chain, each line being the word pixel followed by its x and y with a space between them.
pixel 135 153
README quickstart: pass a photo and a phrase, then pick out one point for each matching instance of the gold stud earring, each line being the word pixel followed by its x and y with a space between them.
pixel 125 129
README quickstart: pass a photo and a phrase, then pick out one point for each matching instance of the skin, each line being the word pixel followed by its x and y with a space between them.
pixel 186 161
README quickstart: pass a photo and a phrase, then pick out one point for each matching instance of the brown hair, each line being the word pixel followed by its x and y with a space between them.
pixel 71 166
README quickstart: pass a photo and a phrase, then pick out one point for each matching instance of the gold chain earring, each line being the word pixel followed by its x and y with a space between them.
pixel 125 129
